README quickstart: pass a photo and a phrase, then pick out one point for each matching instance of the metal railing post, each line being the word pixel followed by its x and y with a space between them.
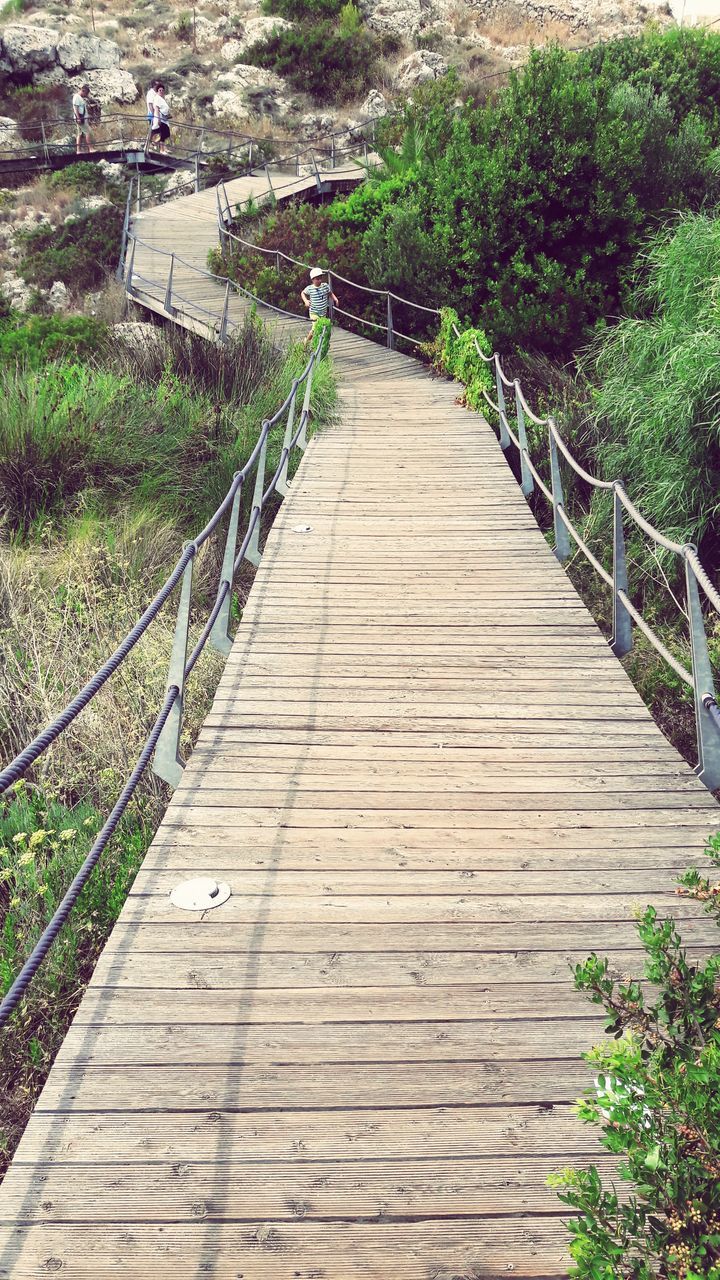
pixel 223 329
pixel 390 332
pixel 708 738
pixel 331 304
pixel 220 636
pixel 167 763
pixel 46 152
pixel 197 173
pixel 621 642
pixel 277 261
pixel 253 548
pixel 282 480
pixel 527 483
pixel 250 155
pixel 505 440
pixel 332 152
pixel 168 290
pixel 129 271
pixel 562 537
pixel 138 202
pixel 302 438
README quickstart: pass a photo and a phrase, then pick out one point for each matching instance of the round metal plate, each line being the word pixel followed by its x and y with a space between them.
pixel 199 895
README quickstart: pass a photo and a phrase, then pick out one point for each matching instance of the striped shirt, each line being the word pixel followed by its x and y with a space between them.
pixel 318 296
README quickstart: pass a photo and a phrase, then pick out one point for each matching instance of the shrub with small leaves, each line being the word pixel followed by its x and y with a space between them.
pixel 656 1100
pixel 459 357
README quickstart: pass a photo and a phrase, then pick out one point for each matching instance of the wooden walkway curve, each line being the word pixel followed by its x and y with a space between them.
pixel 431 787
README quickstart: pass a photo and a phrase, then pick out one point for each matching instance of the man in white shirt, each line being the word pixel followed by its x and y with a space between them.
pixel 150 100
pixel 82 125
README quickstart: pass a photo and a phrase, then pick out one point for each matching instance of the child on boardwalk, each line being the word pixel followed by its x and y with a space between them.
pixel 316 295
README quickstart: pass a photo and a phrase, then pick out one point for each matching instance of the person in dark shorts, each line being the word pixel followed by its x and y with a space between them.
pixel 82 119
pixel 161 115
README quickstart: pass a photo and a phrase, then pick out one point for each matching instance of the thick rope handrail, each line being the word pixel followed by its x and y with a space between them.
pixel 599 569
pixel 52 929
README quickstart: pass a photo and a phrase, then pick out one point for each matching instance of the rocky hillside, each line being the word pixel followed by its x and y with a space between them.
pixel 201 52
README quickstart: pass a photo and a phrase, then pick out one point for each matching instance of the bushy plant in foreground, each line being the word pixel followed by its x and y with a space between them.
pixel 34 340
pixel 459 358
pixel 657 1103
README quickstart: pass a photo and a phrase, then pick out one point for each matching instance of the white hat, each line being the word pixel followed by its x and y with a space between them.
pixel 316 271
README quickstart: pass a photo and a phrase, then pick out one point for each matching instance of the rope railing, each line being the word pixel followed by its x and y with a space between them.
pixel 387 296
pixel 161 749
pixel 625 614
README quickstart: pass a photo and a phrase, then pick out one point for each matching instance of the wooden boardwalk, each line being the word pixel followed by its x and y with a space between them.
pixel 431 788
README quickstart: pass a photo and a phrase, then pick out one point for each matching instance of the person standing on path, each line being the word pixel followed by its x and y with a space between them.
pixel 161 115
pixel 82 125
pixel 150 102
pixel 316 296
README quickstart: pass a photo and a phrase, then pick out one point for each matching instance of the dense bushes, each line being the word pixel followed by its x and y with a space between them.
pixel 35 340
pixel 526 213
pixel 80 252
pixel 459 358
pixel 657 1103
pixel 329 64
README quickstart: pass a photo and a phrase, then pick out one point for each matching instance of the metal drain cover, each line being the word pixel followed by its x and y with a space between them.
pixel 200 894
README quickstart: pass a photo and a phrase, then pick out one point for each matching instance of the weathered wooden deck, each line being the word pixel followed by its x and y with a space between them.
pixel 431 787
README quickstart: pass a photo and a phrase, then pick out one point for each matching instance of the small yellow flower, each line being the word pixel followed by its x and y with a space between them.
pixel 15 902
pixel 42 888
pixel 27 856
pixel 18 839
pixel 37 838
pixel 68 834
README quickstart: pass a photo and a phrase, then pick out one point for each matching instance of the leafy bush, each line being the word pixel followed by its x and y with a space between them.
pixel 87 179
pixel 319 60
pixel 655 410
pixel 458 358
pixel 303 10
pixel 79 253
pixel 38 339
pixel 657 1103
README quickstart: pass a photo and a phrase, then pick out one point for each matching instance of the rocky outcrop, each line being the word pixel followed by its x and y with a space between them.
pixel 27 49
pixel 245 90
pixel 253 30
pixel 375 105
pixel 420 66
pixel 87 53
pixel 402 18
pixel 113 85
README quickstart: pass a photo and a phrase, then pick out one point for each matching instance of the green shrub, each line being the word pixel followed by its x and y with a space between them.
pixel 79 253
pixel 36 340
pixel 656 1102
pixel 458 358
pixel 87 179
pixel 319 60
pixel 303 10
pixel 350 20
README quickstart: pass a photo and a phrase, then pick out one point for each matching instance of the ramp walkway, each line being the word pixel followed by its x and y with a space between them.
pixel 431 788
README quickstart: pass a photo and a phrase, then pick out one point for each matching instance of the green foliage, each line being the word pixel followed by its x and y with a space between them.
pixel 350 20
pixel 87 179
pixel 320 60
pixel 458 357
pixel 38 339
pixel 303 10
pixel 79 252
pixel 13 7
pixel 321 336
pixel 184 26
pixel 655 408
pixel 657 1103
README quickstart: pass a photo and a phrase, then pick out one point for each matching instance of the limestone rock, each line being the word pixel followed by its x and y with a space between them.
pixel 231 106
pixel 253 30
pixel 87 53
pixel 110 86
pixel 58 296
pixel 9 133
pixel 135 334
pixel 27 49
pixel 374 105
pixel 314 125
pixel 17 292
pixel 401 18
pixel 420 66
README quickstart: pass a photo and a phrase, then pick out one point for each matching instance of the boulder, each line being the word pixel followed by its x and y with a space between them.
pixel 374 105
pixel 136 335
pixel 313 125
pixel 28 49
pixel 58 298
pixel 231 106
pixel 87 53
pixel 110 86
pixel 10 135
pixel 420 66
pixel 248 89
pixel 18 293
pixel 401 18
pixel 253 30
